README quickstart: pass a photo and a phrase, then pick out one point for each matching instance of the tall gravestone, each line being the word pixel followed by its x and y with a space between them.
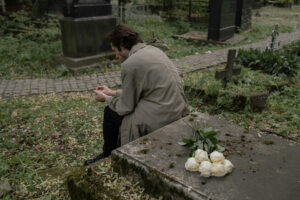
pixel 243 14
pixel 222 19
pixel 85 27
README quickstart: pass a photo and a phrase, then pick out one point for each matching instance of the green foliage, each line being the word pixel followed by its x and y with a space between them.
pixel 293 48
pixel 203 138
pixel 271 62
pixel 281 114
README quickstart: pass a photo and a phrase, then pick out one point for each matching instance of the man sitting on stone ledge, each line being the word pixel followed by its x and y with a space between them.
pixel 152 94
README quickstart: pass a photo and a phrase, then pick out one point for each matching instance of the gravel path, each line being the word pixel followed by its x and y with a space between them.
pixel 191 63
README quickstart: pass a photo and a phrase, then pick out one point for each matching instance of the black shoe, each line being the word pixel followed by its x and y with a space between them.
pixel 91 161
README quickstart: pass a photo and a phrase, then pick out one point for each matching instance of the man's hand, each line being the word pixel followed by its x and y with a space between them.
pixel 100 96
pixel 106 90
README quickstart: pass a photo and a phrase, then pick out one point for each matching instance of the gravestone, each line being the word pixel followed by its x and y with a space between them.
pixel 222 19
pixel 269 172
pixel 274 44
pixel 88 8
pixel 2 3
pixel 40 8
pixel 258 101
pixel 226 74
pixel 243 14
pixel 84 29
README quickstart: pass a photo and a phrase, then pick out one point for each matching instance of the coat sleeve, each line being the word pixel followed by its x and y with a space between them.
pixel 126 100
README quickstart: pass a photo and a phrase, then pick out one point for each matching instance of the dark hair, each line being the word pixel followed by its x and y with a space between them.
pixel 125 36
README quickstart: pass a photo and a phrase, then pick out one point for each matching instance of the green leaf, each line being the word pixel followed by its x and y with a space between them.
pixel 182 143
pixel 214 140
pixel 209 133
pixel 220 148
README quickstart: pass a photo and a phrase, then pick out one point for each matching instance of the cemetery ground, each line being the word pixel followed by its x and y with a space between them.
pixel 44 136
pixel 27 45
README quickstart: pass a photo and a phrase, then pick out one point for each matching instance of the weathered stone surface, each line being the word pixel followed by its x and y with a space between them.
pixel 83 37
pixel 243 14
pixel 261 171
pixel 258 101
pixel 99 181
pixel 222 19
pixel 201 37
pixel 81 64
pixel 88 8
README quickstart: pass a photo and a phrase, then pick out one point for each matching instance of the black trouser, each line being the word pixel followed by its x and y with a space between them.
pixel 111 125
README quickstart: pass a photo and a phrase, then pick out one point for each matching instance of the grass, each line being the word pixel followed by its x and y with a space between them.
pixel 53 133
pixel 45 132
pixel 28 54
pixel 281 114
pixel 44 137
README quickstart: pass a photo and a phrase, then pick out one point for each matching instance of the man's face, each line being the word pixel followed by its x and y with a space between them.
pixel 122 55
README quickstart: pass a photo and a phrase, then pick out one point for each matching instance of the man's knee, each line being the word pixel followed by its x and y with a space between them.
pixel 107 110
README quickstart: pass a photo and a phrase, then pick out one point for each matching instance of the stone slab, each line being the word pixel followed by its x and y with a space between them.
pixel 81 64
pixel 262 171
pixel 202 38
pixel 83 37
pixel 222 19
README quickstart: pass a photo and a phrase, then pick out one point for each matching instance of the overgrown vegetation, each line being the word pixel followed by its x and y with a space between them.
pixel 281 115
pixel 282 64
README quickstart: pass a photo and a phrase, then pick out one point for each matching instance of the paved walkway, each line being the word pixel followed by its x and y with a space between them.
pixel 86 83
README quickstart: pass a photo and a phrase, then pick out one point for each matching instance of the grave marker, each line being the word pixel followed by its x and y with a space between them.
pixel 222 19
pixel 273 43
pixel 226 74
pixel 243 14
pixel 84 29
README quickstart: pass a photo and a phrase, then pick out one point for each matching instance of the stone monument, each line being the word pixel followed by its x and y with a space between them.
pixel 222 19
pixel 84 28
pixel 243 14
pixel 226 74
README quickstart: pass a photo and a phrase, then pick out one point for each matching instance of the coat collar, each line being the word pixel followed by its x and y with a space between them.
pixel 136 47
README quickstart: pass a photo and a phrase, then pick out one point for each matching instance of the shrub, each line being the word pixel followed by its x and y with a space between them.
pixel 278 63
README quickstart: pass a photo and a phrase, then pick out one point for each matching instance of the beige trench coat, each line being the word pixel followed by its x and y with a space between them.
pixel 152 93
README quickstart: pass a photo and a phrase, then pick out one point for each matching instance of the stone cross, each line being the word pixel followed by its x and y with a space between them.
pixel 226 74
pixel 274 37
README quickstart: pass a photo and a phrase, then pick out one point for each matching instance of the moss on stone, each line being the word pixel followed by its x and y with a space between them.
pixel 154 181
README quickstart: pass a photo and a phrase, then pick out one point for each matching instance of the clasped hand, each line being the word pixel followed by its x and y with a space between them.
pixel 102 92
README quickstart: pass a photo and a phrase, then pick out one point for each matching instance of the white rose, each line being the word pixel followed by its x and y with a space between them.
pixel 205 168
pixel 228 166
pixel 201 155
pixel 216 157
pixel 191 164
pixel 218 169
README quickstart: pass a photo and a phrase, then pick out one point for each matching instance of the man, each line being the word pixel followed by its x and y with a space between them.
pixel 151 97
